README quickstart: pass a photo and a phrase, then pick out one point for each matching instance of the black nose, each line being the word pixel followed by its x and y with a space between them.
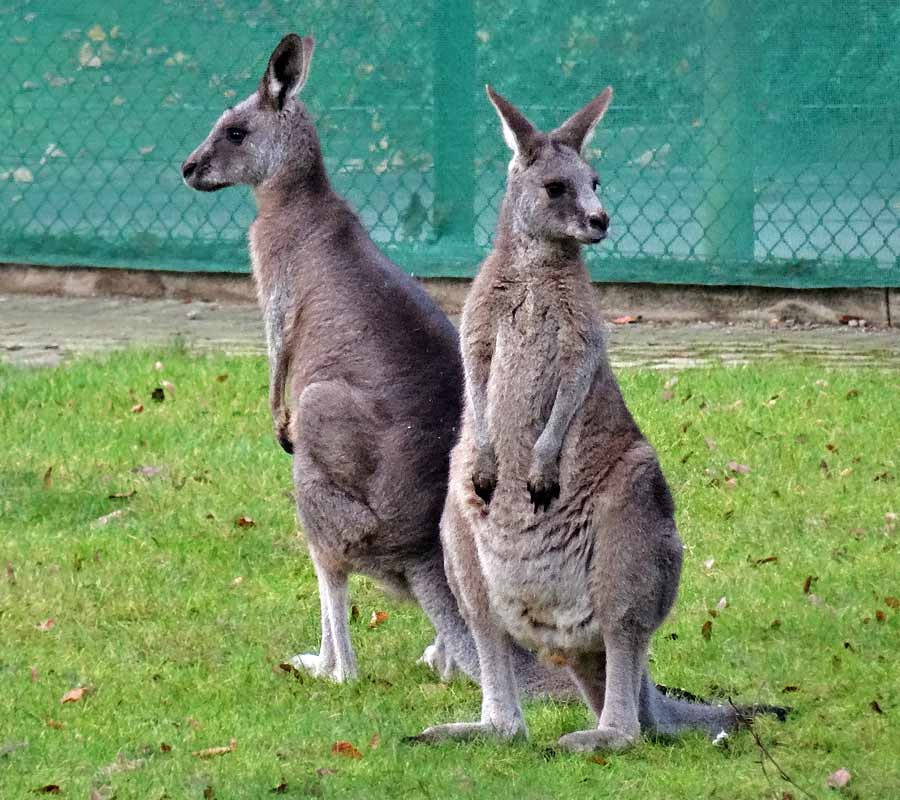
pixel 599 221
pixel 188 168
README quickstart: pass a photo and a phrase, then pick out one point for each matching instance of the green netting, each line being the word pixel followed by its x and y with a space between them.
pixel 748 143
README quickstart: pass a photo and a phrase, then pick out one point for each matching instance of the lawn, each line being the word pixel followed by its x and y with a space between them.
pixel 175 614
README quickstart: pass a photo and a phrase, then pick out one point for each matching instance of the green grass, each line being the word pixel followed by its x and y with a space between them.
pixel 149 612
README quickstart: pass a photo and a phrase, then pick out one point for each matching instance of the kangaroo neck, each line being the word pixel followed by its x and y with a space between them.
pixel 529 257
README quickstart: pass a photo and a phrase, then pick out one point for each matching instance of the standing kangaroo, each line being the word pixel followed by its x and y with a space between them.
pixel 373 369
pixel 558 529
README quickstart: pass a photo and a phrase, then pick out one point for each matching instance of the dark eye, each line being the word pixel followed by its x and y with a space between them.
pixel 235 135
pixel 555 189
pixel 595 183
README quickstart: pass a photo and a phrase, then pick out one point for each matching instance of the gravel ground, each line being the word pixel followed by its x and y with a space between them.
pixel 46 330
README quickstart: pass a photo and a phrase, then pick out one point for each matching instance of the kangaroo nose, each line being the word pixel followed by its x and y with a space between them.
pixel 188 168
pixel 599 221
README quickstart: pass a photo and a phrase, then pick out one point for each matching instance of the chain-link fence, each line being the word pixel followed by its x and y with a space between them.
pixel 748 142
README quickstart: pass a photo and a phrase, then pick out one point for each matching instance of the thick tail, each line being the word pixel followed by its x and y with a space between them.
pixel 667 712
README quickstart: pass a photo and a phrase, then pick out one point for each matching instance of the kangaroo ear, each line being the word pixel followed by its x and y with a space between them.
pixel 518 132
pixel 287 71
pixel 578 129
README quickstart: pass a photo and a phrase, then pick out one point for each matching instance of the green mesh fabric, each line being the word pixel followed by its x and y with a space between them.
pixel 748 142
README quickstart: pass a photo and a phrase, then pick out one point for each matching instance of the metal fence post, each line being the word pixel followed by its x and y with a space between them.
pixel 728 106
pixel 454 120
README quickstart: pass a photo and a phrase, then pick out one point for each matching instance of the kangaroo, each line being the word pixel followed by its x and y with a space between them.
pixel 558 529
pixel 373 371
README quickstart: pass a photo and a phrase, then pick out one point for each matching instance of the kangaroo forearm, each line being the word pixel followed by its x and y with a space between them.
pixel 570 396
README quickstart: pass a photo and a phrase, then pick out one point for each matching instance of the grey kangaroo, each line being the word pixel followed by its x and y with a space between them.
pixel 372 367
pixel 558 529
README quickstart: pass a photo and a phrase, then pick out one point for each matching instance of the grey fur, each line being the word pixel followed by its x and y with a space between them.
pixel 373 369
pixel 558 529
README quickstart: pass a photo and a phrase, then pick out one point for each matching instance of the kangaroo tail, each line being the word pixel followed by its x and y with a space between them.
pixel 666 712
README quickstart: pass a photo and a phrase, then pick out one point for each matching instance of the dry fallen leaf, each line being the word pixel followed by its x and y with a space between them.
pixel 222 378
pixel 892 602
pixel 743 469
pixel 280 789
pixel 706 630
pixel 165 748
pixel 323 771
pixel 880 616
pixel 48 477
pixel 766 560
pixel 46 625
pixel 839 779
pixel 210 752
pixel 244 522
pixel 807 584
pixel 50 788
pixel 875 707
pixel 378 617
pixel 627 319
pixel 35 674
pixel 74 695
pixel 374 741
pixel 137 409
pixel 11 572
pixel 123 495
pixel 55 724
pixel 600 760
pixel 345 749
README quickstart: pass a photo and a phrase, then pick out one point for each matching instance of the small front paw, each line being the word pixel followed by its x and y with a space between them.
pixel 484 475
pixel 543 485
pixel 283 431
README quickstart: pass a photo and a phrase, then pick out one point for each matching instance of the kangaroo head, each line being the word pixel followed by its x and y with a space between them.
pixel 552 191
pixel 266 135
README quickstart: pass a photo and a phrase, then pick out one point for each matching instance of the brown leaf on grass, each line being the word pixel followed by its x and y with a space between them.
pixel 222 378
pixel 807 584
pixel 776 623
pixel 791 688
pixel 244 522
pixel 706 630
pixel 354 613
pixel 378 617
pixel 880 616
pixel 123 495
pixel 627 319
pixel 46 625
pixel 50 788
pixel 839 779
pixel 209 793
pixel 892 602
pixel 599 760
pixel 767 560
pixel 10 573
pixel 345 749
pixel 374 741
pixel 211 752
pixel 280 789
pixel 734 466
pixel 875 707
pixel 74 695
pixel 291 670
pixel 165 748
pixel 47 481
pixel 55 724
pixel 852 393
pixel 323 771
pixel 137 408
pixel 35 674
pixel 710 443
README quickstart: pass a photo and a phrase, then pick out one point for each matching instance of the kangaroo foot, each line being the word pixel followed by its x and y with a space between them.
pixel 437 657
pixel 607 739
pixel 465 731
pixel 320 667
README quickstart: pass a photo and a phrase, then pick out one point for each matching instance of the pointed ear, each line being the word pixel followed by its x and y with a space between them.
pixel 287 71
pixel 577 130
pixel 518 132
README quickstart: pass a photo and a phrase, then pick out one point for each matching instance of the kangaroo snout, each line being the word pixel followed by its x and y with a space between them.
pixel 599 222
pixel 188 168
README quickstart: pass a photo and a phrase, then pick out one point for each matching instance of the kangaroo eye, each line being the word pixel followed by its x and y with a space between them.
pixel 235 135
pixel 595 183
pixel 555 189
